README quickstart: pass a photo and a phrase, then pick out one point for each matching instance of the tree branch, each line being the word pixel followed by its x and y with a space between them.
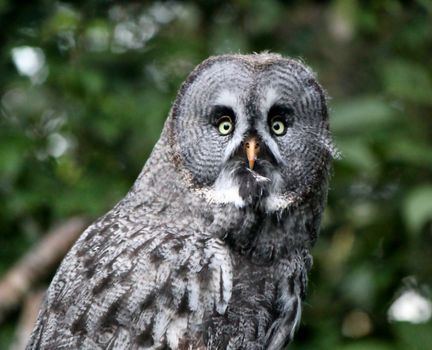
pixel 38 263
pixel 29 313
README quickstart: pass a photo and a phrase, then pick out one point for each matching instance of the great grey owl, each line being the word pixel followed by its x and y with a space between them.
pixel 210 249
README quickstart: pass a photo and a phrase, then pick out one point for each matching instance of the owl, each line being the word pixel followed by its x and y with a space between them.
pixel 210 249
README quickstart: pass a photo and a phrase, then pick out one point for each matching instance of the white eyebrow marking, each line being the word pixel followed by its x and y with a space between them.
pixel 270 97
pixel 231 99
pixel 227 98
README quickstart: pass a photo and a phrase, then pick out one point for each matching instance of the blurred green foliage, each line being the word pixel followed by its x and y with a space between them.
pixel 85 87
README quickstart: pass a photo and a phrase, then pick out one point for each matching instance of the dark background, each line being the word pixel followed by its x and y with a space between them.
pixel 85 87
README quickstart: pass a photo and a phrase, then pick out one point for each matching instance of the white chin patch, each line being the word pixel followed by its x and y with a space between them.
pixel 226 190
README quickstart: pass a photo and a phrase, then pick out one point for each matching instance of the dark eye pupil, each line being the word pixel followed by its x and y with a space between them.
pixel 276 126
pixel 226 126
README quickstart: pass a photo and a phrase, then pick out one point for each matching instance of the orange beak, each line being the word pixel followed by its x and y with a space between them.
pixel 251 147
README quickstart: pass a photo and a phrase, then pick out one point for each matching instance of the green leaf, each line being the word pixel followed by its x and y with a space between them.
pixel 414 336
pixel 12 150
pixel 366 345
pixel 417 209
pixel 408 81
pixel 359 287
pixel 412 151
pixel 360 114
pixel 357 153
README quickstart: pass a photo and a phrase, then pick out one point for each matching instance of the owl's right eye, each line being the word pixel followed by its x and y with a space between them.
pixel 225 125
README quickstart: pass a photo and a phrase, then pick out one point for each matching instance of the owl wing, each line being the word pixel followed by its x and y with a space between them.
pixel 127 286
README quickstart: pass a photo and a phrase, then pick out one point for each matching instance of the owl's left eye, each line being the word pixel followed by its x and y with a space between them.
pixel 280 118
pixel 278 126
pixel 225 125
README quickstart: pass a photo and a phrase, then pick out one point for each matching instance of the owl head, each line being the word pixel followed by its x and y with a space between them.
pixel 252 130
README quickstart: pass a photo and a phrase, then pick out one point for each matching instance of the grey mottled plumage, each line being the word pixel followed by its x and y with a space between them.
pixel 210 248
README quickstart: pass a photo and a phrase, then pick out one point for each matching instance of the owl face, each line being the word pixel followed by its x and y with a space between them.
pixel 252 130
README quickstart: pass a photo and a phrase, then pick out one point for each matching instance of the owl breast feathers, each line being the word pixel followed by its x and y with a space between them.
pixel 210 247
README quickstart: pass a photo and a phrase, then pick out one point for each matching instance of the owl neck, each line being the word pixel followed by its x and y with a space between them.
pixel 266 238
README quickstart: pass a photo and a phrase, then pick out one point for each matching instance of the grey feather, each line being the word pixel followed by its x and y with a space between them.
pixel 203 252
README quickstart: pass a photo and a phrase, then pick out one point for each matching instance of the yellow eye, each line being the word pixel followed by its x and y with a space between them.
pixel 225 125
pixel 278 126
